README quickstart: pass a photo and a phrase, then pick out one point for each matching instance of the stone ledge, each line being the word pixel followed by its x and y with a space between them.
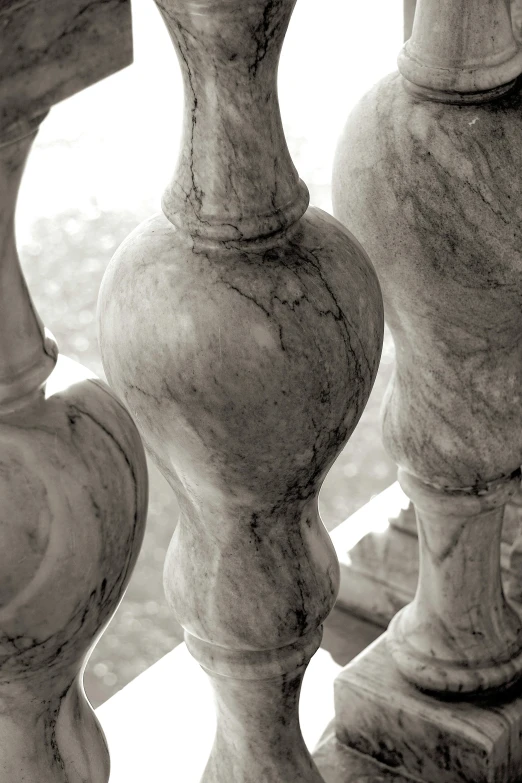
pixel 381 715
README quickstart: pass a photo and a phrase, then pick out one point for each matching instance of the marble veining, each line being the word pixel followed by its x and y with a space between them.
pixel 244 429
pixel 516 18
pixel 471 56
pixel 441 219
pixel 426 174
pixel 459 634
pixel 430 739
pixel 243 332
pixel 449 214
pixel 52 49
pixel 338 763
pixel 74 500
pixel 229 67
pixel 73 485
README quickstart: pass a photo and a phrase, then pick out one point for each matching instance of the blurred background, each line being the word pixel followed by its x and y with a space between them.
pixel 98 168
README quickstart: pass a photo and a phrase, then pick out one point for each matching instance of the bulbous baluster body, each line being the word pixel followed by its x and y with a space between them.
pixel 244 335
pixel 433 191
pixel 246 374
pixel 73 489
pixel 446 236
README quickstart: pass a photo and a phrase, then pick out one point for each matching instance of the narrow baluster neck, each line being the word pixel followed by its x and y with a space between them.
pixel 27 352
pixel 461 51
pixel 235 179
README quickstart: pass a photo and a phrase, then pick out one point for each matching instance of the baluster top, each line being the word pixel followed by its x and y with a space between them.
pixel 235 179
pixel 461 51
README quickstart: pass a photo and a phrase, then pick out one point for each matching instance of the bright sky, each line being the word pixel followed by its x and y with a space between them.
pixel 114 145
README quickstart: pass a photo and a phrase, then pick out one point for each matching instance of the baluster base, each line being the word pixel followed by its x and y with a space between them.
pixel 379 714
pixel 379 571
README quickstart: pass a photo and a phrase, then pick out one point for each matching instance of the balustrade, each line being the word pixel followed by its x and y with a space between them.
pixel 73 480
pixel 379 568
pixel 426 175
pixel 516 17
pixel 243 331
pixel 243 328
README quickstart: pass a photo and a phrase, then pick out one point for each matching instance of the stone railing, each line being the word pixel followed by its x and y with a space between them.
pixel 426 175
pixel 73 477
pixel 241 329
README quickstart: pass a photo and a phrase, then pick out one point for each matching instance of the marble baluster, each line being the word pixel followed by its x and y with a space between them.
pixel 408 13
pixel 243 330
pixel 50 50
pixel 379 572
pixel 427 174
pixel 516 18
pixel 73 490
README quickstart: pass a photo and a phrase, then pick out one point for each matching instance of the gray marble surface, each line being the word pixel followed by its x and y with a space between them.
pixel 426 177
pixel 379 573
pixel 413 733
pixel 51 49
pixel 73 485
pixel 460 51
pixel 232 123
pixel 240 431
pixel 243 332
pixel 186 407
pixel 80 199
pixel 438 181
pixel 73 488
pixel 338 763
pixel 442 196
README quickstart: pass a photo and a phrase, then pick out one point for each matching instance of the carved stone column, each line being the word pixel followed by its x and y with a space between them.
pixel 73 477
pixel 427 174
pixel 244 332
pixel 73 484
pixel 516 17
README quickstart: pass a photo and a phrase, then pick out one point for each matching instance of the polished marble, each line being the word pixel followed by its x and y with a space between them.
pixel 437 180
pixel 52 49
pixel 243 331
pixel 380 568
pixel 460 49
pixel 414 733
pixel 516 17
pixel 426 176
pixel 338 763
pixel 449 415
pixel 149 732
pixel 73 490
pixel 426 187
